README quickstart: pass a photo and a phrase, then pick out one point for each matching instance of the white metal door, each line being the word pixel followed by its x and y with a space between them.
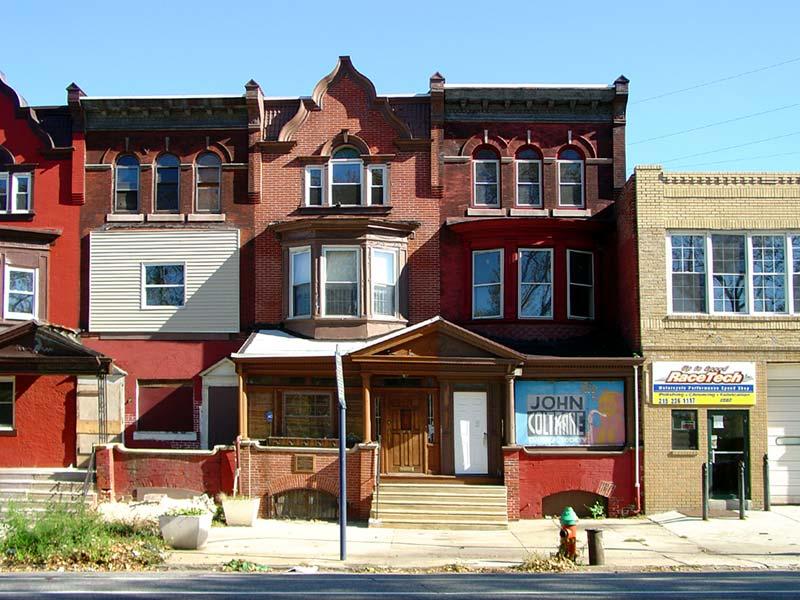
pixel 783 422
pixel 471 433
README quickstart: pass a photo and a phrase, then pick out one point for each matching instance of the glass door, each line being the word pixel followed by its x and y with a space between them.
pixel 728 443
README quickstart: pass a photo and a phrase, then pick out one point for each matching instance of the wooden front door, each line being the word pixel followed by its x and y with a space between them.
pixel 404 432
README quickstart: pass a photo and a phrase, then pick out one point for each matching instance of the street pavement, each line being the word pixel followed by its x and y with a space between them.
pixel 668 540
pixel 762 584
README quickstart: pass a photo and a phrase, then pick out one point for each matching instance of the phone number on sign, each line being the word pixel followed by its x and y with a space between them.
pixel 691 401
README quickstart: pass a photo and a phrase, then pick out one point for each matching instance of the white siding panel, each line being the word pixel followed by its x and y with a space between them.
pixel 783 421
pixel 211 277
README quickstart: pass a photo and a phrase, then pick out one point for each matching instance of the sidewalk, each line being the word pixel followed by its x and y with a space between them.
pixel 763 540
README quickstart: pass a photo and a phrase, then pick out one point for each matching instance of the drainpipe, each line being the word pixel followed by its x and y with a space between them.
pixel 636 485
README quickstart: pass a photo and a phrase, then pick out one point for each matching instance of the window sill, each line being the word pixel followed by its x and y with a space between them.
pixel 205 218
pixel 529 212
pixel 344 210
pixel 124 218
pixel 26 216
pixel 5 432
pixel 684 453
pixel 474 211
pixel 572 212
pixel 165 217
pixel 165 436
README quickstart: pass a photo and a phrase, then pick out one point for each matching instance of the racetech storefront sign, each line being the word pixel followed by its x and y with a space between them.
pixel 710 383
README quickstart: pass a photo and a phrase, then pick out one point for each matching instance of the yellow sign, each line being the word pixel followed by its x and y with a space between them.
pixel 704 383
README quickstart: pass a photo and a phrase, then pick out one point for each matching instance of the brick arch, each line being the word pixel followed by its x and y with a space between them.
pixel 221 151
pixel 582 145
pixel 304 482
pixel 339 140
pixel 516 148
pixel 110 156
pixel 475 141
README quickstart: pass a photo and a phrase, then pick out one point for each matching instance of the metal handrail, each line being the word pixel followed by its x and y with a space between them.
pixel 378 479
pixel 89 471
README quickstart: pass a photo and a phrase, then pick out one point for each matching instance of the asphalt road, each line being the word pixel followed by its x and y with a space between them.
pixel 740 584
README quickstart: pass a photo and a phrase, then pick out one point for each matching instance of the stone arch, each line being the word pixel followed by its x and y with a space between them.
pixel 344 139
pixel 581 145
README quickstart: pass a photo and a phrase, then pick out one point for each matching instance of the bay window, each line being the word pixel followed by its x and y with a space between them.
pixel 535 284
pixel 340 291
pixel 487 284
pixel 384 282
pixel 300 284
pixel 580 283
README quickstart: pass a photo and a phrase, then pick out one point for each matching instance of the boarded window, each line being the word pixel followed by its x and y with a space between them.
pixel 165 406
pixel 305 504
pixel 260 414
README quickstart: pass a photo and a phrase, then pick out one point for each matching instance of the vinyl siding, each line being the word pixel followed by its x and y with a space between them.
pixel 211 279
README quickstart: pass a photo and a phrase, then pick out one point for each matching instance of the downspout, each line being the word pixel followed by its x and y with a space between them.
pixel 637 484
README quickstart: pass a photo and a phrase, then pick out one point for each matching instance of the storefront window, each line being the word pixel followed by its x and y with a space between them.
pixel 684 430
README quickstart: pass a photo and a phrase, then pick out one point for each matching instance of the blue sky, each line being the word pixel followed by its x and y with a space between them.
pixel 145 48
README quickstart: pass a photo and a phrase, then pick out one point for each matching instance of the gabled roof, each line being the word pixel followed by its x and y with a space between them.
pixel 37 347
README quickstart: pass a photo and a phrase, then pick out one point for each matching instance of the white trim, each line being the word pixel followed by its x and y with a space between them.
pixel 475 183
pixel 570 284
pixel 293 252
pixel 211 379
pixel 333 162
pixel 582 184
pixel 114 189
pixel 12 380
pixel 324 280
pixel 166 436
pixel 144 285
pixel 196 183
pixel 12 205
pixel 502 277
pixel 307 185
pixel 9 314
pixel 4 176
pixel 384 186
pixel 538 164
pixel 394 253
pixel 520 284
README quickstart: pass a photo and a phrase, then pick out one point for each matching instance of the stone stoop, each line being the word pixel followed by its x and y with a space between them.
pixel 439 506
pixel 34 490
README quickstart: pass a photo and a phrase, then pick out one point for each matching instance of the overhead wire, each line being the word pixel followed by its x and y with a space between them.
pixel 730 160
pixel 734 147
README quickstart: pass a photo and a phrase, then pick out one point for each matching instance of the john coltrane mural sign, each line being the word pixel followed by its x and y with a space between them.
pixel 570 413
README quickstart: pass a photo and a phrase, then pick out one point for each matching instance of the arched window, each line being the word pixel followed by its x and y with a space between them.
pixel 570 178
pixel 486 177
pixel 127 184
pixel 529 178
pixel 346 170
pixel 167 175
pixel 208 177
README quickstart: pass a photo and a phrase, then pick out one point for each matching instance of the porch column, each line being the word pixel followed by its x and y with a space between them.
pixel 511 426
pixel 242 406
pixel 365 383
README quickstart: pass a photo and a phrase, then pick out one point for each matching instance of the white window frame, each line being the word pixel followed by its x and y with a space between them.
pixel 520 284
pixel 394 253
pixel 582 184
pixel 345 161
pixel 144 284
pixel 570 283
pixel 293 252
pixel 138 169
pixel 196 172
pixel 502 283
pixel 475 182
pixel 6 176
pixel 12 380
pixel 789 255
pixel 538 164
pixel 13 190
pixel 324 280
pixel 307 186
pixel 384 187
pixel 10 315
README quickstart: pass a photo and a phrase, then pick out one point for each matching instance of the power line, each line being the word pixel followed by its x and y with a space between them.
pixel 715 81
pixel 769 139
pixel 730 160
pixel 733 120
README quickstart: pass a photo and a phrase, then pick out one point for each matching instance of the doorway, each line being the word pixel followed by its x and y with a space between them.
pixel 471 433
pixel 404 432
pixel 728 444
pixel 223 416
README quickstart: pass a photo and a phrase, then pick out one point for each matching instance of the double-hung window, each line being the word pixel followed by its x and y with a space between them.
pixel 729 273
pixel 15 192
pixel 314 187
pixel 570 178
pixel 769 273
pixel 529 178
pixel 341 287
pixel 20 297
pixel 796 272
pixel 535 284
pixel 163 285
pixel 377 185
pixel 126 198
pixel 208 181
pixel 487 284
pixel 346 168
pixel 4 190
pixel 6 403
pixel 167 175
pixel 580 280
pixel 486 177
pixel 384 282
pixel 300 285
pixel 688 273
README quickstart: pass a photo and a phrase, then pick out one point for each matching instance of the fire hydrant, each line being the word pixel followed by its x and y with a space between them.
pixel 568 534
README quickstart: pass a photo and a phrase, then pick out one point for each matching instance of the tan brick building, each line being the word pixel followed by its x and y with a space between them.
pixel 719 294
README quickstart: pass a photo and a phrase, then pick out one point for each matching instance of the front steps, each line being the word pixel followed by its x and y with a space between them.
pixel 33 490
pixel 439 506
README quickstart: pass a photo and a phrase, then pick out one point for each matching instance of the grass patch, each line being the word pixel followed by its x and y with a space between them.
pixel 71 537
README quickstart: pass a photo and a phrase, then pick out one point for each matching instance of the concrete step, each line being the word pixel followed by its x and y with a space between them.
pixel 428 515
pixel 445 506
pixel 41 496
pixel 467 491
pixel 437 524
pixel 43 485
pixel 44 474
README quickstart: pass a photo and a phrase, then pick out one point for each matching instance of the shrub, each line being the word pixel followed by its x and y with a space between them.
pixel 70 537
